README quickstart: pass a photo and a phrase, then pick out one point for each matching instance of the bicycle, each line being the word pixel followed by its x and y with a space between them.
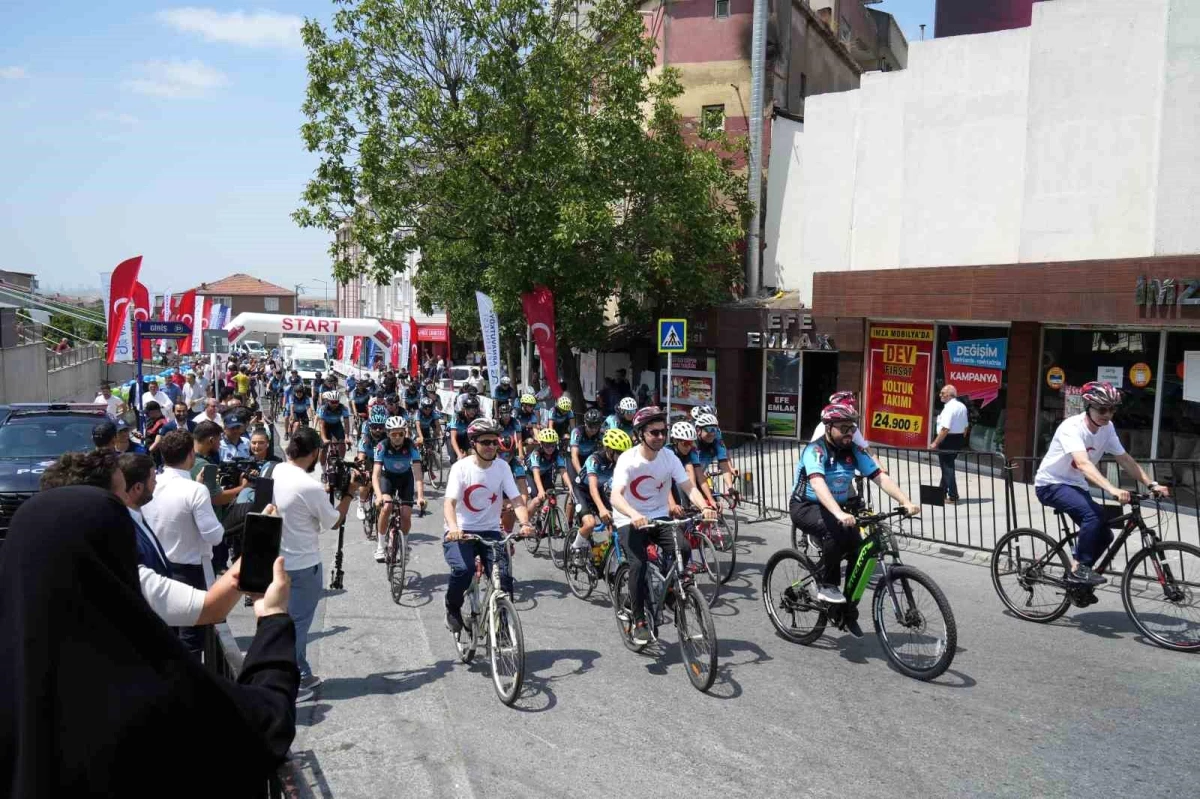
pixel 396 552
pixel 790 600
pixel 370 512
pixel 492 620
pixel 550 524
pixel 706 558
pixel 431 463
pixel 726 501
pixel 670 586
pixel 1037 561
pixel 583 577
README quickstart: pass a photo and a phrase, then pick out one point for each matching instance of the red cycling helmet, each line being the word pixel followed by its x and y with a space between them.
pixel 839 412
pixel 846 397
pixel 1100 395
pixel 644 416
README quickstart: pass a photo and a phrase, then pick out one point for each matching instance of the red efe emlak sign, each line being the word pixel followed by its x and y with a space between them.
pixel 898 380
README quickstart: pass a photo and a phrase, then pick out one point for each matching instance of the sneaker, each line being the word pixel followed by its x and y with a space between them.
pixel 454 622
pixel 830 594
pixel 853 628
pixel 640 635
pixel 1084 575
pixel 579 555
pixel 304 695
pixel 380 555
pixel 360 513
pixel 310 682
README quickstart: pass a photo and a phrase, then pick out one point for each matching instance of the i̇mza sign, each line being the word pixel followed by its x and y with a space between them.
pixel 1157 292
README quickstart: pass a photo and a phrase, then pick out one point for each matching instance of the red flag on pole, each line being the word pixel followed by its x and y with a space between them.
pixel 141 313
pixel 120 294
pixel 185 311
pixel 539 313
pixel 414 367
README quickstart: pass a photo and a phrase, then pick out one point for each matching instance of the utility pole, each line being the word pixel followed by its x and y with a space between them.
pixel 758 57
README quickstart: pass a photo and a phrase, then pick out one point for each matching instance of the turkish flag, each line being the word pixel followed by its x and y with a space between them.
pixel 141 313
pixel 414 366
pixel 357 353
pixel 340 346
pixel 539 313
pixel 185 311
pixel 120 294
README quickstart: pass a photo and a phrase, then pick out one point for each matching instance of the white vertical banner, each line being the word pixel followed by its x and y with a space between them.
pixel 166 317
pixel 197 322
pixel 404 344
pixel 587 374
pixel 124 351
pixel 490 326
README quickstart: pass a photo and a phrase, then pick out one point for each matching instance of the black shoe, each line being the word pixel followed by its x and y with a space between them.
pixel 1083 575
pixel 853 628
pixel 454 622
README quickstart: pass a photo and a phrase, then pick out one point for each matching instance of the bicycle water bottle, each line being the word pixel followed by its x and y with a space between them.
pixel 599 551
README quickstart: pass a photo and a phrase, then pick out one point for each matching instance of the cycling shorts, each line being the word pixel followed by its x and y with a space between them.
pixel 300 416
pixel 335 431
pixel 400 486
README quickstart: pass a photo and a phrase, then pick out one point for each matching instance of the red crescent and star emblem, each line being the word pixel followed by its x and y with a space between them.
pixel 633 487
pixel 467 497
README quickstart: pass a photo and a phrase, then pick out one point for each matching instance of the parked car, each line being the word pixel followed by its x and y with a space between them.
pixel 32 436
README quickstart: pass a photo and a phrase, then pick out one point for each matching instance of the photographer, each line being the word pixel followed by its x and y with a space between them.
pixel 234 445
pixel 262 465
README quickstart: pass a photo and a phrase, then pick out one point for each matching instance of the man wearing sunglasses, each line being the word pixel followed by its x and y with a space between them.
pixel 824 477
pixel 1070 464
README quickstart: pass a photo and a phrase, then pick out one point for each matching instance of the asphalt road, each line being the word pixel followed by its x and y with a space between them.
pixel 1081 707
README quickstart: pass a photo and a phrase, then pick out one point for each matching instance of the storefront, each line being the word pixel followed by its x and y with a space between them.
pixel 1019 341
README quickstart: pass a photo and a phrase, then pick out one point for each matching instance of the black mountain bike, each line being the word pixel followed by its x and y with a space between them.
pixel 1160 586
pixel 912 616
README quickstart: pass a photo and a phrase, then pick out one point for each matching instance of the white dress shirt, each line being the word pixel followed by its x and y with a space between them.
pixel 953 417
pixel 305 508
pixel 162 399
pixel 203 417
pixel 181 515
pixel 176 603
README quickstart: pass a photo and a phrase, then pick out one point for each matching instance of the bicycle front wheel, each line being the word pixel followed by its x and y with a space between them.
pixel 556 537
pixel 623 608
pixel 398 564
pixel 581 577
pixel 917 629
pixel 433 469
pixel 507 651
pixel 464 639
pixel 697 638
pixel 1029 572
pixel 706 569
pixel 1161 592
pixel 789 591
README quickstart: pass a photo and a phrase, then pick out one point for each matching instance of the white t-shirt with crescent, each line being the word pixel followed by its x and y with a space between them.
pixel 479 493
pixel 1058 465
pixel 645 484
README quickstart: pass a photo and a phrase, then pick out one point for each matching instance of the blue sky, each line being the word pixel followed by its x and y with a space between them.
pixel 171 131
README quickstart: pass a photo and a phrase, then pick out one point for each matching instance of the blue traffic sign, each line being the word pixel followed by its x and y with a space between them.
pixel 163 330
pixel 672 335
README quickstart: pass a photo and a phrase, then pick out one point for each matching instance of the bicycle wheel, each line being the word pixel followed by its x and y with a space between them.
pixel 697 638
pixel 1161 591
pixel 370 520
pixel 507 653
pixel 805 545
pixel 1029 571
pixel 556 537
pixel 399 557
pixel 918 631
pixel 534 541
pixel 723 538
pixel 705 568
pixel 623 608
pixel 433 469
pixel 789 591
pixel 464 639
pixel 581 577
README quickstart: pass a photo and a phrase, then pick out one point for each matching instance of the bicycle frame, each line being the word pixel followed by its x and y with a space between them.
pixel 1131 521
pixel 672 577
pixel 493 589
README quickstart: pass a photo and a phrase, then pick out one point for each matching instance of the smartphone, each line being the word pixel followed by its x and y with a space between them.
pixel 264 493
pixel 260 547
pixel 208 475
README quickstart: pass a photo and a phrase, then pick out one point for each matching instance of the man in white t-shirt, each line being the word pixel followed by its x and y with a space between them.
pixel 154 394
pixel 952 424
pixel 114 405
pixel 475 494
pixel 1070 464
pixel 641 484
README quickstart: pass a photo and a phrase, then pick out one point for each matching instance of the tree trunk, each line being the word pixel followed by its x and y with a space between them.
pixel 570 374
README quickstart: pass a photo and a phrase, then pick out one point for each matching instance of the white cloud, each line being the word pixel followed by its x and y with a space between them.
pixel 12 73
pixel 254 29
pixel 176 78
pixel 117 116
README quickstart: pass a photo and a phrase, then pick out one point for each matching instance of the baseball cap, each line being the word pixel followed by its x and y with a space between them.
pixel 234 420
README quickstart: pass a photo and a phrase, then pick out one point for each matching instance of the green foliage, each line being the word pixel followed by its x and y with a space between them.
pixel 516 143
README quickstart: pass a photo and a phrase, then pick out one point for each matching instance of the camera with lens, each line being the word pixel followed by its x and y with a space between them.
pixel 229 474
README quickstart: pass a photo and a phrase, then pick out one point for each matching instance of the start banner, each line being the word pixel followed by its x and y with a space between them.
pixel 899 371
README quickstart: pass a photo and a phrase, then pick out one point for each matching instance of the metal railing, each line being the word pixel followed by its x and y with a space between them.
pixel 73 357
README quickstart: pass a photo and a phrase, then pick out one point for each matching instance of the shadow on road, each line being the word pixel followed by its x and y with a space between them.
pixel 340 628
pixel 537 696
pixel 384 683
pixel 420 588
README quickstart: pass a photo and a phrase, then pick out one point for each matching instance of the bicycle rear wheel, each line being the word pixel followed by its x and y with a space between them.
pixel 706 568
pixel 723 539
pixel 1161 592
pixel 1029 570
pixel 370 520
pixel 534 541
pixel 581 576
pixel 623 608
pixel 508 652
pixel 398 560
pixel 433 469
pixel 464 639
pixel 789 591
pixel 556 537
pixel 918 633
pixel 697 638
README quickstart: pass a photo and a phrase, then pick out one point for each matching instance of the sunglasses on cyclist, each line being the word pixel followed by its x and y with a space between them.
pixel 713 430
pixel 845 429
pixel 488 442
pixel 657 432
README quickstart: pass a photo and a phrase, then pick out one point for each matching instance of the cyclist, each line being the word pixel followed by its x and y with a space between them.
pixel 468 391
pixel 431 392
pixel 824 476
pixel 1070 464
pixel 504 391
pixel 459 441
pixel 275 389
pixel 360 398
pixel 475 491
pixel 683 444
pixel 623 418
pixel 585 440
pixel 641 485
pixel 593 486
pixel 545 464
pixel 412 396
pixel 396 472
pixel 332 417
pixel 429 422
pixel 299 408
pixel 562 418
pixel 710 449
pixel 527 416
pixel 365 457
pixel 394 408
pixel 512 452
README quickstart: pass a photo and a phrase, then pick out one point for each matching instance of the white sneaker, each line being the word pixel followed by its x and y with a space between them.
pixel 830 594
pixel 381 556
pixel 361 513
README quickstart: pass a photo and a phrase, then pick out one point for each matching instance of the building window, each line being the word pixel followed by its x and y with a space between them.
pixel 270 303
pixel 712 119
pixel 722 9
pixel 218 300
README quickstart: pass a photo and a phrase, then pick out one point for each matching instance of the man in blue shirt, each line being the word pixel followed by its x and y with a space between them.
pixel 824 477
pixel 234 445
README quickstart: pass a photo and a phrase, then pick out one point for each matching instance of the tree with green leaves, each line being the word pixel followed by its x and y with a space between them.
pixel 517 143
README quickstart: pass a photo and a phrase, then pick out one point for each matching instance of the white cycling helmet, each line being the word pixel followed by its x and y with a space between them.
pixel 627 405
pixel 330 396
pixel 700 410
pixel 683 431
pixel 706 420
pixel 396 423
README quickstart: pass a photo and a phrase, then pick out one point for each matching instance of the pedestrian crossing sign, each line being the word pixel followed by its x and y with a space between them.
pixel 672 335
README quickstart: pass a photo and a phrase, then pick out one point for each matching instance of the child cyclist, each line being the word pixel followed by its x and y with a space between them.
pixel 592 489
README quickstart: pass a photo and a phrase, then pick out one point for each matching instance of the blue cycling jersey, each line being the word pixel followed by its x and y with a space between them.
pixel 360 399
pixel 602 468
pixel 367 444
pixel 301 405
pixel 332 415
pixel 539 461
pixel 587 446
pixel 397 460
pixel 615 422
pixel 426 421
pixel 836 465
pixel 562 420
pixel 702 455
pixel 509 433
pixel 526 420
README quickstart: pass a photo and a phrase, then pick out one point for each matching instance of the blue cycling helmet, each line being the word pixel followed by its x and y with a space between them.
pixel 379 415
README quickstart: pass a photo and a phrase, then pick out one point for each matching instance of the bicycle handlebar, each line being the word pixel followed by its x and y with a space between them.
pixel 489 541
pixel 875 518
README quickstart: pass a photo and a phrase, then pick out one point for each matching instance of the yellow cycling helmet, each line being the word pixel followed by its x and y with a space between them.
pixel 564 403
pixel 547 435
pixel 528 399
pixel 617 440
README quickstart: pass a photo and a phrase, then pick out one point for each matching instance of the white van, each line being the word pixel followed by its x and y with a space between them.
pixel 308 359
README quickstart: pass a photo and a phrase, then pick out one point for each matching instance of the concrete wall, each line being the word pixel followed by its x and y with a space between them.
pixel 1071 139
pixel 24 378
